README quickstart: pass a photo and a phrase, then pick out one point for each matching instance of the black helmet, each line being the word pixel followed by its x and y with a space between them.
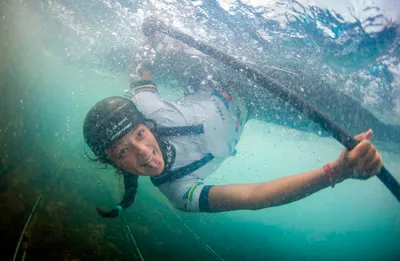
pixel 108 121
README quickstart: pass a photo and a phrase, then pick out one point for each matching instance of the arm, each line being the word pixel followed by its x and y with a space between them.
pixel 267 194
pixel 360 163
pixel 170 59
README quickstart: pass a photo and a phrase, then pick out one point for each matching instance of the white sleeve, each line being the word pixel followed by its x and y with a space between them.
pixel 146 98
pixel 187 194
pixel 153 106
pixel 165 113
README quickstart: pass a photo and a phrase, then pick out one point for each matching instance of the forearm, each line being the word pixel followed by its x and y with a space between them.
pixel 268 194
pixel 288 189
pixel 142 59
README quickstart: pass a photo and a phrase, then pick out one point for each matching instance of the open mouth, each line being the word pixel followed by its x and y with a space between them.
pixel 148 161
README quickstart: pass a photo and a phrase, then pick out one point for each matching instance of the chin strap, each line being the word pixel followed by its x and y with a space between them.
pixel 168 152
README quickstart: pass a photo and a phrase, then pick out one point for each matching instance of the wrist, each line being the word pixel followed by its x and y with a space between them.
pixel 141 72
pixel 146 75
pixel 142 84
pixel 341 171
pixel 334 172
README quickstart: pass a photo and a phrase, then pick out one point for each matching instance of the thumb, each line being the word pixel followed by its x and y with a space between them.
pixel 364 136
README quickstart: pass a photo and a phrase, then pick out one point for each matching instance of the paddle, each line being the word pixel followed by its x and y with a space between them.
pixel 153 24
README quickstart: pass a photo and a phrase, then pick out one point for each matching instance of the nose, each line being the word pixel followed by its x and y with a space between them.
pixel 141 148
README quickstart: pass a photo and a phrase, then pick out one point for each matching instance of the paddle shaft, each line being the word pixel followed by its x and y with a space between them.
pixel 274 87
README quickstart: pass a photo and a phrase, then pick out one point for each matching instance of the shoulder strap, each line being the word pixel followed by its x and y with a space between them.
pixel 181 131
pixel 181 172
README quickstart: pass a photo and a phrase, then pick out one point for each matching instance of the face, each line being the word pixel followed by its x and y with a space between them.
pixel 138 152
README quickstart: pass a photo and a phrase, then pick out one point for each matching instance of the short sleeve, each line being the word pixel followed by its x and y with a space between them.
pixel 187 194
pixel 146 97
pixel 154 107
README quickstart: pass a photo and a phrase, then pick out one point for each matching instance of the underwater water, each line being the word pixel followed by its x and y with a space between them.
pixel 58 58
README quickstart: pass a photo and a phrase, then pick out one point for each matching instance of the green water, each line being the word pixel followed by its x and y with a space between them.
pixel 43 103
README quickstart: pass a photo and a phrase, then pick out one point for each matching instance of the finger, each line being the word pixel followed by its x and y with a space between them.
pixel 366 172
pixel 375 167
pixel 360 175
pixel 355 155
pixel 369 158
pixel 379 168
pixel 363 148
pixel 369 134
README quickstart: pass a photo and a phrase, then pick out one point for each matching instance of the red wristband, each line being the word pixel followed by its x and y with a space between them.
pixel 146 75
pixel 328 171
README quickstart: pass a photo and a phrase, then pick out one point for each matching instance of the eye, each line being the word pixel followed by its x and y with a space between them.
pixel 141 133
pixel 122 153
